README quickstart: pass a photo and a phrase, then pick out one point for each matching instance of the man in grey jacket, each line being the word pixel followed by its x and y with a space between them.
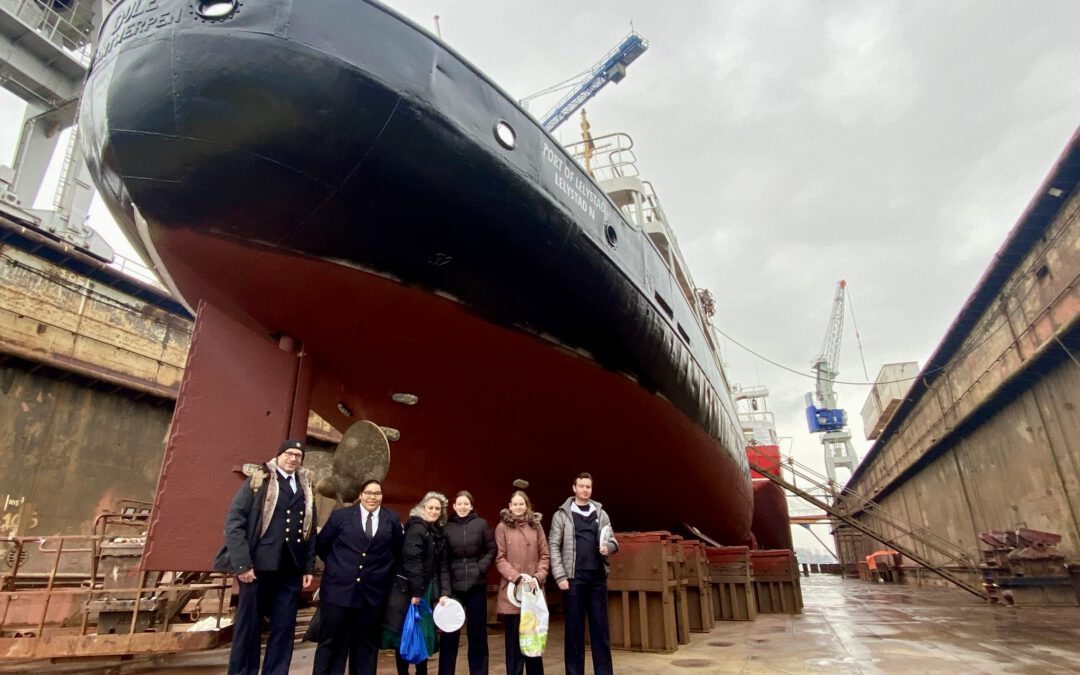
pixel 581 541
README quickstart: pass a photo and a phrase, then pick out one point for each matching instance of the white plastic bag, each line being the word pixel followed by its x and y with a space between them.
pixel 605 535
pixel 533 629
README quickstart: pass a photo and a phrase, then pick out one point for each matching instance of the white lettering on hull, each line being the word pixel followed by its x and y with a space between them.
pixel 576 188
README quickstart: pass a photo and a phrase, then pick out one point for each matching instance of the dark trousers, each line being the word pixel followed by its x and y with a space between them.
pixel 475 603
pixel 272 594
pixel 403 665
pixel 587 596
pixel 516 662
pixel 348 633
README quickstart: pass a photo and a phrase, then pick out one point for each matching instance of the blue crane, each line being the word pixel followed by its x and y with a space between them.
pixel 828 419
pixel 612 68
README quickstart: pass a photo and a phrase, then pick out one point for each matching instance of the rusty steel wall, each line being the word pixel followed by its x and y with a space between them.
pixel 994 441
pixel 1019 469
pixel 69 450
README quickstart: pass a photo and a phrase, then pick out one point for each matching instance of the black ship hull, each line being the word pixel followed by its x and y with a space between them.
pixel 310 165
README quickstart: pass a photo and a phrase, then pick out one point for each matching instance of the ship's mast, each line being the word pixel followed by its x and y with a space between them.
pixel 588 146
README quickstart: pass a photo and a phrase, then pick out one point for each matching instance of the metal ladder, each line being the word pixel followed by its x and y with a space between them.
pixel 855 503
pixel 68 168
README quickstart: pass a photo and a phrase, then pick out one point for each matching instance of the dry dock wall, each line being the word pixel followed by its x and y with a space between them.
pixel 989 435
pixel 70 449
pixel 89 374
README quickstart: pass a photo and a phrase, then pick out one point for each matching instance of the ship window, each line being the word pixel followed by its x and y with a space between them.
pixel 504 134
pixel 663 305
pixel 215 9
pixel 611 235
pixel 682 332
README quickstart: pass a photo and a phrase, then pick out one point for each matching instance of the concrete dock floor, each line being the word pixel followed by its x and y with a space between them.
pixel 847 627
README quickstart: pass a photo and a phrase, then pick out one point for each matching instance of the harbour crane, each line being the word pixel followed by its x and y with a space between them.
pixel 822 414
pixel 611 68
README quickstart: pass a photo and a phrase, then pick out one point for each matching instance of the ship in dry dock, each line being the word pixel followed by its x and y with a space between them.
pixel 330 173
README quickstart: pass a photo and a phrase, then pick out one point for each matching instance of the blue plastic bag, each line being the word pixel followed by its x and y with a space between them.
pixel 413 647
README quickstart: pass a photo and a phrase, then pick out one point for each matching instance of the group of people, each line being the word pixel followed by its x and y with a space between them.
pixel 375 568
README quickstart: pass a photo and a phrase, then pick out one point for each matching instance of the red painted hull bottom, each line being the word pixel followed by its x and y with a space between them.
pixel 495 404
pixel 772 524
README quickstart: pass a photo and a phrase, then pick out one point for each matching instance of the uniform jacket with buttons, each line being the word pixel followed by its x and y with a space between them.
pixel 358 569
pixel 260 524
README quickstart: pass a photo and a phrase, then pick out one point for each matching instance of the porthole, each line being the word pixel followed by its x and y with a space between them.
pixel 215 9
pixel 505 135
pixel 611 235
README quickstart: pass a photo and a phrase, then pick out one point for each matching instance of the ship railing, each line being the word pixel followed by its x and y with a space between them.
pixel 759 426
pixel 135 269
pixel 71 30
pixel 605 157
pixel 758 416
pixel 610 157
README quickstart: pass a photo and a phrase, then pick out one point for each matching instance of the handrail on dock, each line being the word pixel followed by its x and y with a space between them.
pixel 908 537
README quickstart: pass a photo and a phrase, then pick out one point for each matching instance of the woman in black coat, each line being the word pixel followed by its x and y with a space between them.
pixel 469 553
pixel 419 574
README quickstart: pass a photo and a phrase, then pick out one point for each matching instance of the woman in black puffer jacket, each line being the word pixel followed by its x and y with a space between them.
pixel 418 575
pixel 469 553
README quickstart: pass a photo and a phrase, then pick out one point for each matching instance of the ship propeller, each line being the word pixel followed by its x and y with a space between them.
pixel 363 454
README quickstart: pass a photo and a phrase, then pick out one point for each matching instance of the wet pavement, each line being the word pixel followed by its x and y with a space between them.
pixel 846 627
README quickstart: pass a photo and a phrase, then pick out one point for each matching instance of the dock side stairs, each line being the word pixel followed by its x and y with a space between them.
pixel 843 505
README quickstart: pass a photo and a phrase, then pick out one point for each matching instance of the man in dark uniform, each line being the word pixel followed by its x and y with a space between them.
pixel 361 546
pixel 270 547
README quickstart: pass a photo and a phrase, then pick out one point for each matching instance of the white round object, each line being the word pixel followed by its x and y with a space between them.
pixel 449 617
pixel 513 591
pixel 513 595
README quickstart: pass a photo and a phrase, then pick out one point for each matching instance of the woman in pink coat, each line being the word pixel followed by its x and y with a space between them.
pixel 522 550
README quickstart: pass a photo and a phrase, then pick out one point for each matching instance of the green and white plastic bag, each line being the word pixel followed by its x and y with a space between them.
pixel 533 629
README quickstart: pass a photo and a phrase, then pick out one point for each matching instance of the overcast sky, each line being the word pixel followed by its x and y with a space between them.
pixel 891 144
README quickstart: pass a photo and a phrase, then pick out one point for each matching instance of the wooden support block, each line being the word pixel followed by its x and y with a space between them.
pixel 777 587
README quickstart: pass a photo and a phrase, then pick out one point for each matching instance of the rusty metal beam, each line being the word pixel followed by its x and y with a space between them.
pixel 810 520
pixel 56 646
pixel 909 552
pixel 85 369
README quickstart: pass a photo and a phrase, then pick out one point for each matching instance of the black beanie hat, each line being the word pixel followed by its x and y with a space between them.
pixel 291 445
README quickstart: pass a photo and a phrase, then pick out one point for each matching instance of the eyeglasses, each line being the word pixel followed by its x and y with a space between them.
pixel 294 454
pixel 368 493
